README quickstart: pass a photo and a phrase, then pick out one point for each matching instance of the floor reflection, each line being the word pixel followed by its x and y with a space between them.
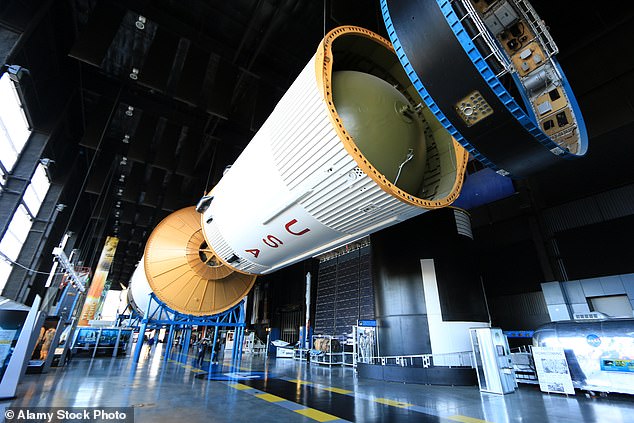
pixel 165 389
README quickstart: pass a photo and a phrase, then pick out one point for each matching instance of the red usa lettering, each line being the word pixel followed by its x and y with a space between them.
pixel 273 241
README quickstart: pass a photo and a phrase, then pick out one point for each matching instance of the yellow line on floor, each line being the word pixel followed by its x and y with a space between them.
pixel 320 416
pixel 300 382
pixel 270 397
pixel 238 386
pixel 393 403
pixel 337 390
pixel 466 419
pixel 386 401
pixel 311 413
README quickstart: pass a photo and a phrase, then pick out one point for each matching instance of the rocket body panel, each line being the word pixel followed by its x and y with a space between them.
pixel 295 191
pixel 140 291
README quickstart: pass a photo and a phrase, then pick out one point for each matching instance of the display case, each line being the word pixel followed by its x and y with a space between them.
pixel 101 341
pixel 364 342
pixel 492 359
pixel 301 354
pixel 327 350
pixel 348 354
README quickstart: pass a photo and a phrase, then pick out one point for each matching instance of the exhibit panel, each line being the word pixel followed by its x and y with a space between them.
pixel 599 353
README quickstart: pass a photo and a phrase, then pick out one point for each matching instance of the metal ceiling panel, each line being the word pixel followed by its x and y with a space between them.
pixel 154 188
pixel 159 60
pixel 98 175
pixel 142 138
pixel 97 122
pixel 220 91
pixel 173 195
pixel 190 85
pixel 166 152
pixel 95 38
pixel 189 151
pixel 134 183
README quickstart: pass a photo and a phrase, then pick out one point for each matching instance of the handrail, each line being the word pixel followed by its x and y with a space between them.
pixel 456 359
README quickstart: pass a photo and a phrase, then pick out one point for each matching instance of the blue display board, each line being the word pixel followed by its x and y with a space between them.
pixel 11 324
pixel 617 365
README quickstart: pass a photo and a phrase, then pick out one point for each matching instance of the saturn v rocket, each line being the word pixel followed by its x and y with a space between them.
pixel 367 137
pixel 349 149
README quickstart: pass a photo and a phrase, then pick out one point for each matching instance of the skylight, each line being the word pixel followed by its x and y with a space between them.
pixel 14 128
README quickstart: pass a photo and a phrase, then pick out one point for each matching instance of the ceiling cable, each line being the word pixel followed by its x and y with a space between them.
pixel 94 157
pixel 213 159
pixel 88 235
pixel 8 260
pixel 324 34
pixel 102 197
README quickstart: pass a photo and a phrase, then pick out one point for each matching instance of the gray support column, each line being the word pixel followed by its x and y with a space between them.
pixel 214 355
pixel 170 343
pixel 545 244
pixel 139 341
pixel 400 310
pixel 20 178
pixel 11 197
pixel 116 345
pixel 188 336
pixel 402 314
pixel 34 253
pixel 544 254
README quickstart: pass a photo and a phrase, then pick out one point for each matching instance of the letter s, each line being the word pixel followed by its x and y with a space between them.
pixel 274 241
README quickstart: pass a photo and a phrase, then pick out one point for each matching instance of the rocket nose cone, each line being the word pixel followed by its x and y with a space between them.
pixel 384 126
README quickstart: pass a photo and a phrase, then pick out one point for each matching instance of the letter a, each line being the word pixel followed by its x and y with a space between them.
pixel 254 251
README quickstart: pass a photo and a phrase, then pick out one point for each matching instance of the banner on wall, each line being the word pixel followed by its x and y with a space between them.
pixel 93 298
pixel 102 298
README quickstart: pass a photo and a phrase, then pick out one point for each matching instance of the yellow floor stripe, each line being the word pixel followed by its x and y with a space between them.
pixel 392 402
pixel 301 382
pixel 338 390
pixel 239 386
pixel 465 419
pixel 270 397
pixel 320 416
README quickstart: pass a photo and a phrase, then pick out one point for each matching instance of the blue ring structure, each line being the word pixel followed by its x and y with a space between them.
pixel 427 98
pixel 422 32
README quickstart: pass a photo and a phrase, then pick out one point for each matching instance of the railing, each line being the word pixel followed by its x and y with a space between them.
pixel 538 26
pixel 483 33
pixel 457 359
pixel 524 365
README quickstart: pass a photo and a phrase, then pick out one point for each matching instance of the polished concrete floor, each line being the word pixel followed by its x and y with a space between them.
pixel 284 390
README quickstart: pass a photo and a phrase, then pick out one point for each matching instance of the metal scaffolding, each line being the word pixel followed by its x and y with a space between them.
pixel 163 316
